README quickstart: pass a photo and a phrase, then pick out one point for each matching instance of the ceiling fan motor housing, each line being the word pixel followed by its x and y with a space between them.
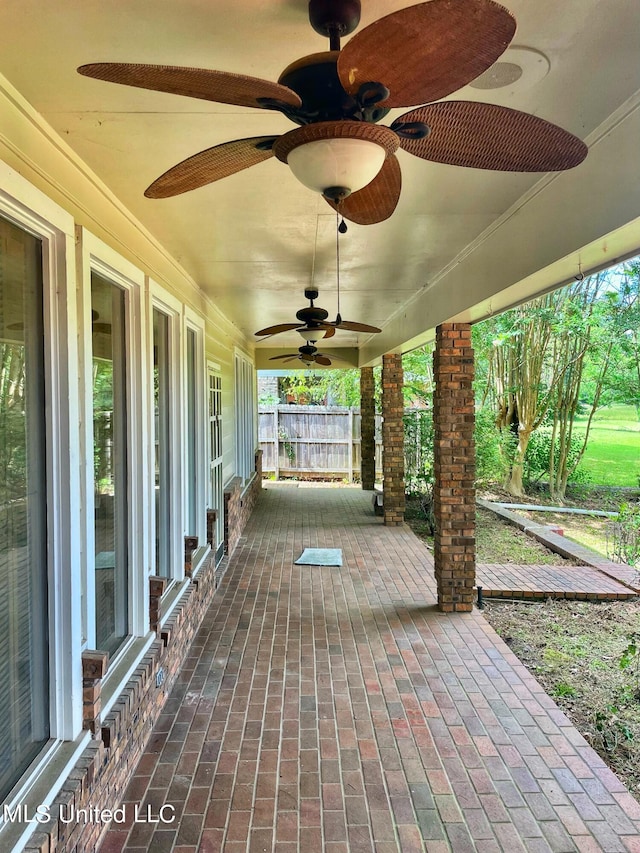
pixel 311 314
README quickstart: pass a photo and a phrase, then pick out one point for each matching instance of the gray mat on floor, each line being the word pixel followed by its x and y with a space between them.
pixel 320 557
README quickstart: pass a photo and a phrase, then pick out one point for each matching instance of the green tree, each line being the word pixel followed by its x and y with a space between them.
pixel 535 360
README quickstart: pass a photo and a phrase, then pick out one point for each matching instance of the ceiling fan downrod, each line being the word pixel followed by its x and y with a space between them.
pixel 334 19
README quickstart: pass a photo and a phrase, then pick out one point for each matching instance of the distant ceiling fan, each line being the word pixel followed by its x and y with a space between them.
pixel 313 323
pixel 414 56
pixel 308 354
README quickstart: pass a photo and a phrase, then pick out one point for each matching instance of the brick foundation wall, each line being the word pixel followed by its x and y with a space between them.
pixel 392 439
pixel 101 775
pixel 454 467
pixel 367 429
pixel 239 502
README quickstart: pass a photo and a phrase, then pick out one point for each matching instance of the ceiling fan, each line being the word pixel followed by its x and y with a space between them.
pixel 307 354
pixel 313 323
pixel 414 56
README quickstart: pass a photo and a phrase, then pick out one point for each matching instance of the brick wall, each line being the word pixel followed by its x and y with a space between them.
pixel 101 775
pixel 239 502
pixel 392 439
pixel 454 467
pixel 367 429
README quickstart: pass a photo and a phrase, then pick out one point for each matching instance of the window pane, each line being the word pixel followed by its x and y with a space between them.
pixel 162 438
pixel 192 474
pixel 24 672
pixel 110 463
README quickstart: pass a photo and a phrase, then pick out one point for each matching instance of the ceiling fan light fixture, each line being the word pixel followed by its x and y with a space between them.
pixel 311 335
pixel 336 158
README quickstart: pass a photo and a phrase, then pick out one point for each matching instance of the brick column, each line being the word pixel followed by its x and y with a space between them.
pixel 454 467
pixel 392 439
pixel 367 429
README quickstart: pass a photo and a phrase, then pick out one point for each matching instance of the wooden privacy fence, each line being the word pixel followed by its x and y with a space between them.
pixel 320 441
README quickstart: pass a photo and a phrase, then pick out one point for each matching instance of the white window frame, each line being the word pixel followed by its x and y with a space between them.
pixel 246 413
pixel 216 501
pixel 166 303
pixel 97 257
pixel 192 322
pixel 35 213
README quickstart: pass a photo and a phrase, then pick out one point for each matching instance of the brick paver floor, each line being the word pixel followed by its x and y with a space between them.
pixel 336 710
pixel 577 582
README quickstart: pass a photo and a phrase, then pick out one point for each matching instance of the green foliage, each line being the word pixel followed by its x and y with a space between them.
pixel 629 659
pixel 494 448
pixel 624 545
pixel 611 729
pixel 564 690
pixel 289 449
pixel 417 367
pixel 330 387
pixel 418 451
pixel 536 463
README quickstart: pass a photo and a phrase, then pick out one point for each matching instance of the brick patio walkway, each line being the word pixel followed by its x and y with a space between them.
pixel 577 582
pixel 336 710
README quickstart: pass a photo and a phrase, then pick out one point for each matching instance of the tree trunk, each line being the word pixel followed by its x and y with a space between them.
pixel 515 484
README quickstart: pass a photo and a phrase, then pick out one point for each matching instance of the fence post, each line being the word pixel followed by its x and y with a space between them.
pixel 276 439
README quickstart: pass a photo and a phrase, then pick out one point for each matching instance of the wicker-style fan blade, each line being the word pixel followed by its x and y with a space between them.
pixel 220 86
pixel 289 355
pixel 486 136
pixel 357 327
pixel 328 330
pixel 377 201
pixel 428 51
pixel 211 165
pixel 275 330
pixel 322 359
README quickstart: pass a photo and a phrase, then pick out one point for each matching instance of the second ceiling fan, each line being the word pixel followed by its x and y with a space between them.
pixel 414 56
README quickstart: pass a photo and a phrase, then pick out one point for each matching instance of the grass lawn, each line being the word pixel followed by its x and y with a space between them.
pixel 612 457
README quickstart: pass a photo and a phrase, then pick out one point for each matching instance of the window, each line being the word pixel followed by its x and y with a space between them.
pixel 216 484
pixel 245 417
pixel 110 463
pixel 191 438
pixel 24 667
pixel 162 430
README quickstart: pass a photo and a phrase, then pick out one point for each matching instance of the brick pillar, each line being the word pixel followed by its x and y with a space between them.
pixel 367 429
pixel 392 439
pixel 94 669
pixel 454 467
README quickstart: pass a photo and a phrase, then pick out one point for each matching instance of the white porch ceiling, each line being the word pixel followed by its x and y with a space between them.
pixel 459 237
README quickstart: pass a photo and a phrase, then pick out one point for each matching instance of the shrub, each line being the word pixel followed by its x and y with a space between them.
pixel 536 462
pixel 418 451
pixel 494 448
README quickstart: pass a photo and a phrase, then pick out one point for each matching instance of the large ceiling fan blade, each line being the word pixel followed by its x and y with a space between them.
pixel 220 86
pixel 289 355
pixel 211 165
pixel 280 327
pixel 428 51
pixel 349 326
pixel 322 359
pixel 377 201
pixel 487 136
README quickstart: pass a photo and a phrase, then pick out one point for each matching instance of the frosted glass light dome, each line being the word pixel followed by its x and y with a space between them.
pixel 336 158
pixel 348 163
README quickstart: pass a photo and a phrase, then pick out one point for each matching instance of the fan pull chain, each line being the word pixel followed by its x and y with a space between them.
pixel 338 232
